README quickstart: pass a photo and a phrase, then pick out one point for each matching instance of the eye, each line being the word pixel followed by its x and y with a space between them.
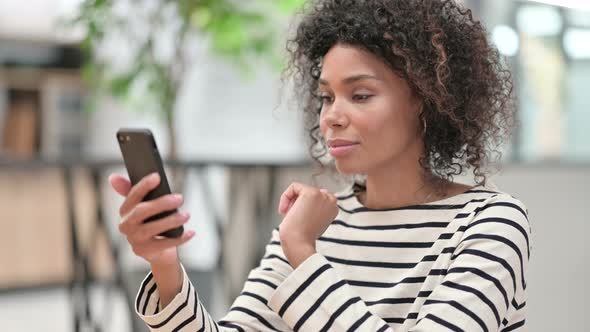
pixel 326 99
pixel 360 97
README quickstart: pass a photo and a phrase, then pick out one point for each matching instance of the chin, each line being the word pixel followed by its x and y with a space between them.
pixel 350 167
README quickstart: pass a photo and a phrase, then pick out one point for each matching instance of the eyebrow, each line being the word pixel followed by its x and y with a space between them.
pixel 352 79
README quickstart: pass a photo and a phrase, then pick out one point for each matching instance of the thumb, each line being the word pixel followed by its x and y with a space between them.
pixel 120 184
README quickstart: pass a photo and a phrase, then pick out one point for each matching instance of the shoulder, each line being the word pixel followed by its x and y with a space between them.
pixel 502 214
pixel 502 205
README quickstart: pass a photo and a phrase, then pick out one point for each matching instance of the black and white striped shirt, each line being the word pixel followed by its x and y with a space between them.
pixel 456 264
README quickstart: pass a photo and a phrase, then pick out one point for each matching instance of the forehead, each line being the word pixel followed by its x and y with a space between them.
pixel 342 61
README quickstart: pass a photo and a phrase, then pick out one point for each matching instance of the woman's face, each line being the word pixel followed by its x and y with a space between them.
pixel 368 105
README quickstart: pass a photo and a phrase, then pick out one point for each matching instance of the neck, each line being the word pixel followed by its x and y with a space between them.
pixel 401 185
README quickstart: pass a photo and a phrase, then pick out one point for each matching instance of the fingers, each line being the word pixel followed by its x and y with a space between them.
pixel 138 192
pixel 284 204
pixel 295 190
pixel 145 210
pixel 150 230
pixel 157 245
pixel 165 243
pixel 331 197
pixel 289 197
pixel 120 184
pixel 143 238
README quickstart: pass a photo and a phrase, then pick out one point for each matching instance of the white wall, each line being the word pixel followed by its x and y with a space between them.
pixel 558 200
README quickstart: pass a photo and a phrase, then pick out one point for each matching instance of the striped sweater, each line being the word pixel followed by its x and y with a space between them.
pixel 456 264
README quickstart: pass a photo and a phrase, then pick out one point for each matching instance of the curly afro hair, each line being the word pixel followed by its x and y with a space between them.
pixel 443 54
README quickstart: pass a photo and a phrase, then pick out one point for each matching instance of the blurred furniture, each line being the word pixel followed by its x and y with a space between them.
pixel 79 267
pixel 42 113
pixel 41 99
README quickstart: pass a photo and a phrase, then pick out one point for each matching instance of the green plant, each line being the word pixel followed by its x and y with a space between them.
pixel 236 30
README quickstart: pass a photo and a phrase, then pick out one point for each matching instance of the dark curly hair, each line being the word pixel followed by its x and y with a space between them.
pixel 443 54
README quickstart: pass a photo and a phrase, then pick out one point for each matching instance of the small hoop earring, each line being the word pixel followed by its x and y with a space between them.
pixel 424 126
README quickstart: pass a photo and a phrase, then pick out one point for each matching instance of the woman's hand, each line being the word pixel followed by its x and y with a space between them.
pixel 143 237
pixel 308 212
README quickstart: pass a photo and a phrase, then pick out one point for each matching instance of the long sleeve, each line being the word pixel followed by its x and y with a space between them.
pixel 249 312
pixel 483 285
pixel 315 298
pixel 486 280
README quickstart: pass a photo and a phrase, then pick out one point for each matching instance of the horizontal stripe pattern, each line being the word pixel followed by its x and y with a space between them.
pixel 457 264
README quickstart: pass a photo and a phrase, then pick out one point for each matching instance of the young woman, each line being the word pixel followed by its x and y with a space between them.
pixel 405 94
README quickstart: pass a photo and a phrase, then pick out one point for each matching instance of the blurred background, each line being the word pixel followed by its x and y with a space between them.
pixel 205 77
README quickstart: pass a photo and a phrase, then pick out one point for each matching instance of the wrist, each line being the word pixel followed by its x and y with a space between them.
pixel 163 267
pixel 165 261
pixel 169 278
pixel 168 268
pixel 297 253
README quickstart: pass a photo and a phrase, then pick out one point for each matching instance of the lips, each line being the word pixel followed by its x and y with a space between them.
pixel 341 147
pixel 334 143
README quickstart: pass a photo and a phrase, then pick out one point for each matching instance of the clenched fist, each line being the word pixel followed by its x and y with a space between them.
pixel 308 212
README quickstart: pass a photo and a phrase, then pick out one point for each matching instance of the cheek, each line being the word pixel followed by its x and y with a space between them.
pixel 388 130
pixel 382 122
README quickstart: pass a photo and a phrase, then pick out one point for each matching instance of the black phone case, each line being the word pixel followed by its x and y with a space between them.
pixel 141 157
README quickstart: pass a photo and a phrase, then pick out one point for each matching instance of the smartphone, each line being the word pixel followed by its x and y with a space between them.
pixel 141 157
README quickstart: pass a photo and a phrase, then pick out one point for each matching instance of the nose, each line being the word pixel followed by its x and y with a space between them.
pixel 334 116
